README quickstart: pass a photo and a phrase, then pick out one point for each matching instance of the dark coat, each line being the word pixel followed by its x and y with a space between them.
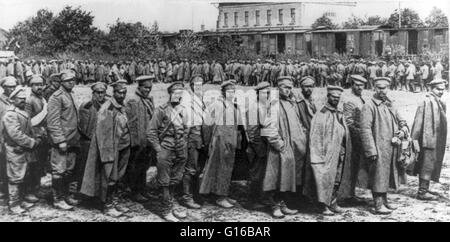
pixel 139 112
pixel 430 129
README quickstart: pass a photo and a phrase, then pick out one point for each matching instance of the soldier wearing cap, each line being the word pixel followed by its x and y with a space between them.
pixel 430 130
pixel 109 152
pixel 53 84
pixel 166 134
pixel 8 85
pixel 62 126
pixel 227 134
pixel 140 108
pixel 218 74
pixel 36 107
pixel 330 153
pixel 352 106
pixel 192 101
pixel 258 147
pixel 287 141
pixel 88 112
pixel 380 120
pixel 19 143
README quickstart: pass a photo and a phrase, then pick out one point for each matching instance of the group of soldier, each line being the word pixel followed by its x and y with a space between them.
pixel 320 153
pixel 405 74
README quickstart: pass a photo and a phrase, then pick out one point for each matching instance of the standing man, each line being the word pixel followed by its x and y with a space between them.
pixel 140 109
pixel 218 74
pixel 167 135
pixel 109 152
pixel 36 107
pixel 8 85
pixel 430 130
pixel 62 126
pixel 88 120
pixel 352 106
pixel 19 143
pixel 330 151
pixel 380 120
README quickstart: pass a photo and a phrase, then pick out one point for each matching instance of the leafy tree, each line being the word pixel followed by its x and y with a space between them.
pixel 324 21
pixel 410 18
pixel 437 18
pixel 189 45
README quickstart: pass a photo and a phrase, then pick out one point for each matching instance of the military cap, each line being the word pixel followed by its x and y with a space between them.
pixel 175 86
pixel 19 93
pixel 67 75
pixel 36 79
pixel 119 84
pixel 196 78
pixel 8 81
pixel 55 77
pixel 227 83
pixel 28 73
pixel 262 85
pixel 358 78
pixel 99 87
pixel 334 89
pixel 141 79
pixel 382 81
pixel 436 82
pixel 285 80
pixel 307 80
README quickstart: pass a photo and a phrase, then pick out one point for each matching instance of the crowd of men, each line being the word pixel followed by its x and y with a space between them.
pixel 405 74
pixel 319 153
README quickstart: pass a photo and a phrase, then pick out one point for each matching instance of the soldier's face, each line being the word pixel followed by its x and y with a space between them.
pixel 358 88
pixel 333 98
pixel 120 95
pixel 381 91
pixel 19 103
pixel 145 88
pixel 438 90
pixel 307 90
pixel 285 91
pixel 175 96
pixel 100 96
pixel 37 88
pixel 69 85
pixel 197 88
pixel 7 90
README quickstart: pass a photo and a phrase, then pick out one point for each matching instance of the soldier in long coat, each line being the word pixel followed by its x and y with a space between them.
pixel 330 151
pixel 226 138
pixel 109 151
pixel 19 144
pixel 380 120
pixel 218 74
pixel 287 139
pixel 36 107
pixel 62 126
pixel 8 85
pixel 88 120
pixel 430 130
pixel 140 109
pixel 352 106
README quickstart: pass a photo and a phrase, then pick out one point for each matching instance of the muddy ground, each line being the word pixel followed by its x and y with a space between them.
pixel 409 209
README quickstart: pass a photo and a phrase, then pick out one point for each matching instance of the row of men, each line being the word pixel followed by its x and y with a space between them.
pixel 405 74
pixel 319 153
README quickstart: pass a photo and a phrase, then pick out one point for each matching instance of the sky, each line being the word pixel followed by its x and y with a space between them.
pixel 173 15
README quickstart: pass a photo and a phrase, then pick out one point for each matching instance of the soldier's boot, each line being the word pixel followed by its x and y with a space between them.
pixel 110 206
pixel 3 194
pixel 287 211
pixel 326 211
pixel 334 207
pixel 423 193
pixel 223 202
pixel 58 196
pixel 276 212
pixel 387 204
pixel 30 194
pixel 188 199
pixel 379 206
pixel 167 206
pixel 68 196
pixel 14 202
pixel 255 196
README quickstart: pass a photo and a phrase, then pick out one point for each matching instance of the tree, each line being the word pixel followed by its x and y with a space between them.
pixel 355 22
pixel 410 18
pixel 324 21
pixel 189 45
pixel 437 18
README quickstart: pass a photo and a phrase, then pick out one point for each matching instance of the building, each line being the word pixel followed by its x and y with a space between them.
pixel 3 38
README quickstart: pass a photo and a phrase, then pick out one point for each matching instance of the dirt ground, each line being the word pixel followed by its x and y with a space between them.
pixel 409 209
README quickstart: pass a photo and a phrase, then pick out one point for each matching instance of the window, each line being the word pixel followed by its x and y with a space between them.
pixel 225 19
pixel 246 18
pixel 235 18
pixel 292 15
pixel 280 16
pixel 330 14
pixel 439 32
pixel 257 17
pixel 269 17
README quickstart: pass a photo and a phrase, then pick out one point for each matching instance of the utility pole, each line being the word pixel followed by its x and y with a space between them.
pixel 399 15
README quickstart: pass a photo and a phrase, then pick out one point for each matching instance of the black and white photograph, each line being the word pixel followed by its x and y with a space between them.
pixel 224 111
